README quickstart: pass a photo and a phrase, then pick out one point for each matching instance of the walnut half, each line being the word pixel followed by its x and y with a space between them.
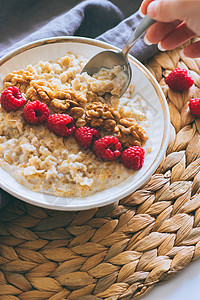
pixel 99 114
pixel 70 102
pixel 130 133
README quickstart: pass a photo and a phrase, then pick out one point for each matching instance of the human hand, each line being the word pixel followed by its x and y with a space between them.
pixel 177 22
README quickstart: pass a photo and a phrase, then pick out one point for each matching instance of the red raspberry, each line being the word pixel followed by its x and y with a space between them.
pixel 179 80
pixel 133 157
pixel 194 105
pixel 36 112
pixel 85 136
pixel 61 124
pixel 107 147
pixel 11 99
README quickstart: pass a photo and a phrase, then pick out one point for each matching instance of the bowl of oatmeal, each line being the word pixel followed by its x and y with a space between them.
pixel 53 171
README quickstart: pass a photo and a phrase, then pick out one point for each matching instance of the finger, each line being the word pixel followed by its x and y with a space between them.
pixel 159 30
pixel 143 6
pixel 193 50
pixel 177 37
pixel 170 10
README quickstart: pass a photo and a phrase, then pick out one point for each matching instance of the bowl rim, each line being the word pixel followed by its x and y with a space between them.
pixel 166 134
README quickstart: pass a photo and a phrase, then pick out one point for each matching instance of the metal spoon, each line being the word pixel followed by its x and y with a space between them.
pixel 109 59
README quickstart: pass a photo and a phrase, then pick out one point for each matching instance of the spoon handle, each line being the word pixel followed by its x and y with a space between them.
pixel 137 33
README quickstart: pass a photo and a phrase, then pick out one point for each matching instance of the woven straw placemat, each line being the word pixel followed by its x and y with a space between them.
pixel 116 252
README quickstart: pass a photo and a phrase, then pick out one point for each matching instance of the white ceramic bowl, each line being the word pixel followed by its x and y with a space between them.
pixel 145 85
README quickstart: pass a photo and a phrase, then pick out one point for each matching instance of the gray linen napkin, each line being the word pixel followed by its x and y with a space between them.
pixel 91 18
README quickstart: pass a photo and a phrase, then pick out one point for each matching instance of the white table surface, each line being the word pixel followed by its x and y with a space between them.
pixel 184 286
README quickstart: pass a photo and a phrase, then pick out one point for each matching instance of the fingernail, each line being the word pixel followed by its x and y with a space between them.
pixel 140 13
pixel 147 41
pixel 182 52
pixel 152 9
pixel 160 47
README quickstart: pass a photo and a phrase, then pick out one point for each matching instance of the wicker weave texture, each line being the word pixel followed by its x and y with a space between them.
pixel 116 252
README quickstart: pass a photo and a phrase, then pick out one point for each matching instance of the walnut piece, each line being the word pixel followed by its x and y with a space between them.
pixel 70 102
pixel 99 114
pixel 76 112
pixel 92 97
pixel 130 133
pixel 21 77
pixel 39 90
pixel 80 122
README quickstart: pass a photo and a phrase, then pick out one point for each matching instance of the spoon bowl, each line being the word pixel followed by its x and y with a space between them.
pixel 109 59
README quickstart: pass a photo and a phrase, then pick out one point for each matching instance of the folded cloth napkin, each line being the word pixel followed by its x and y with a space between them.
pixel 91 18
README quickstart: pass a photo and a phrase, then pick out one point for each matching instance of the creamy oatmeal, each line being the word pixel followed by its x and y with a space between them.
pixel 45 162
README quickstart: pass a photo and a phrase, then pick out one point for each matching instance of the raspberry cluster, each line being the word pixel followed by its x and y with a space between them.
pixel 106 147
pixel 37 112
pixel 109 148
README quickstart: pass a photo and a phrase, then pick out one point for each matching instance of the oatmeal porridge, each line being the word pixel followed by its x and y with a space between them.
pixel 45 162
